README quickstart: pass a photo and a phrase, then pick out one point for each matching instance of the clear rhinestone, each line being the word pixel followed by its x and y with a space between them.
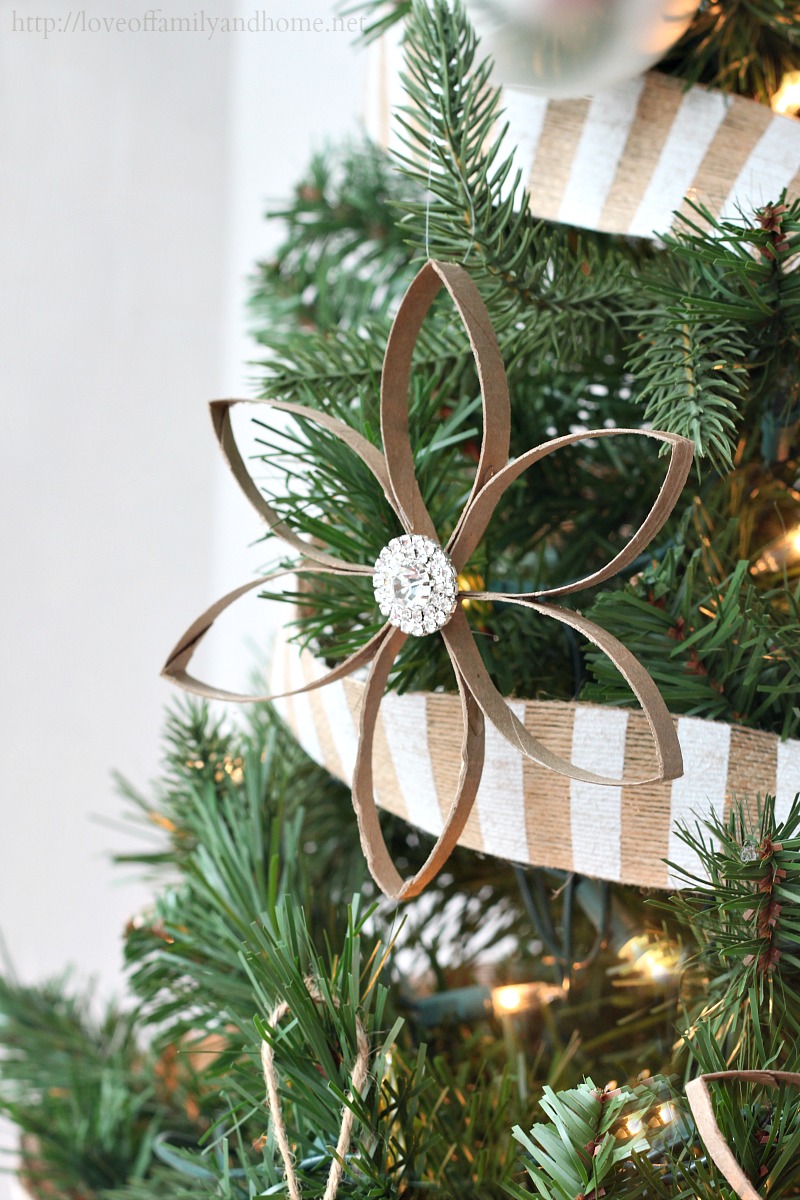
pixel 412 584
pixel 749 852
pixel 415 584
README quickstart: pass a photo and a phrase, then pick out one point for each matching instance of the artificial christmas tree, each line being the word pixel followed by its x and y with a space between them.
pixel 514 1030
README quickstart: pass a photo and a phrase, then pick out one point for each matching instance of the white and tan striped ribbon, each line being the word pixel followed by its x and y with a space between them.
pixel 525 813
pixel 624 160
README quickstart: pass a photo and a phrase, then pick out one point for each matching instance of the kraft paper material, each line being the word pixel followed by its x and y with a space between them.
pixel 394 470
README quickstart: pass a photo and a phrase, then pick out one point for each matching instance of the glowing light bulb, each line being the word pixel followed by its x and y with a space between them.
pixel 653 964
pixel 521 997
pixel 659 962
pixel 633 948
pixel 507 999
pixel 787 98
pixel 666 1113
pixel 783 552
pixel 634 1125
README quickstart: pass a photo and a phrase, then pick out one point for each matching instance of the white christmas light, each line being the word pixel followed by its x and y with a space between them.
pixel 781 553
pixel 521 997
pixel 787 98
pixel 656 961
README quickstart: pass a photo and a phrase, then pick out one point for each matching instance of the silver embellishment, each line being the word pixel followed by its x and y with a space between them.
pixel 415 584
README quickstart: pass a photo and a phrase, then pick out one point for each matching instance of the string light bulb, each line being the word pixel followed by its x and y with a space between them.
pixel 786 100
pixel 782 554
pixel 478 1002
pixel 515 998
pixel 507 999
pixel 657 961
pixel 653 964
pixel 481 610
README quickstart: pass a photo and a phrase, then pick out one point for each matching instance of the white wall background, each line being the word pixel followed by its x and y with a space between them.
pixel 134 171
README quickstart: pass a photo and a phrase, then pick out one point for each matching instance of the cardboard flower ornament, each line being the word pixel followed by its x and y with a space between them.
pixel 720 1152
pixel 415 578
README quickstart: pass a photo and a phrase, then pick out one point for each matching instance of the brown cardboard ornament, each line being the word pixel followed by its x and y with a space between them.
pixel 394 470
pixel 699 1097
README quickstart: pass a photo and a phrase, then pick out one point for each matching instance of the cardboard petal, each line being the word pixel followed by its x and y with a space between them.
pixel 699 1097
pixel 458 637
pixel 379 861
pixel 397 372
pixel 465 540
pixel 176 667
pixel 369 455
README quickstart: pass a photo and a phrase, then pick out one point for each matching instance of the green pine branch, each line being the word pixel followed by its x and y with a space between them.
pixel 553 287
pixel 691 378
pixel 584 1147
pixel 719 347
pixel 742 46
pixel 245 914
pixel 86 1096
pixel 743 909
pixel 716 646
pixel 342 257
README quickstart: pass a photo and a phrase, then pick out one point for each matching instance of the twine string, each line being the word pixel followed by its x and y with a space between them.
pixel 357 1080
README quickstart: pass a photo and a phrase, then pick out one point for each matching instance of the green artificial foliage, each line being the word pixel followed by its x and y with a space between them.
pixel 343 256
pixel 252 863
pixel 89 1100
pixel 254 894
pixel 717 647
pixel 586 1138
pixel 699 337
pixel 744 911
pixel 740 46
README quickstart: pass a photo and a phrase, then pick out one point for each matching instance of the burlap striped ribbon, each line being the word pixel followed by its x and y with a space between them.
pixel 624 161
pixel 523 812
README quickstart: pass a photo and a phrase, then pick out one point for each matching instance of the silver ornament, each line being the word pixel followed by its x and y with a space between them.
pixel 563 48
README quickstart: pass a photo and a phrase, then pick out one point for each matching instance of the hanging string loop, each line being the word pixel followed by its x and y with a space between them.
pixel 358 1078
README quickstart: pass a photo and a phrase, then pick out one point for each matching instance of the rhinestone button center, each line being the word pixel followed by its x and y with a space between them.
pixel 412 586
pixel 415 584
